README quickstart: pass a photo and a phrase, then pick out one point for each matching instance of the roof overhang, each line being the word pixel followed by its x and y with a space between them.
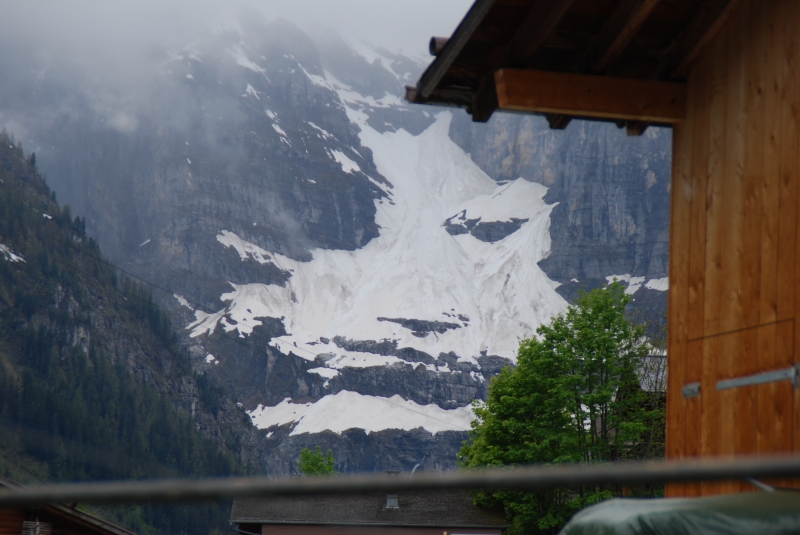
pixel 623 61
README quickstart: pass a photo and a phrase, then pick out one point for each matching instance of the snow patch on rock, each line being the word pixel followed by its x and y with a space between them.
pixel 10 255
pixel 348 165
pixel 243 61
pixel 661 285
pixel 250 91
pixel 347 410
pixel 634 283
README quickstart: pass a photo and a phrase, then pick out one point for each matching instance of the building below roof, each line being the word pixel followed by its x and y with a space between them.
pixel 52 518
pixel 432 513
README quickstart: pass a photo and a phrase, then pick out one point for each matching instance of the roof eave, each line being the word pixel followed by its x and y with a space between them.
pixel 437 69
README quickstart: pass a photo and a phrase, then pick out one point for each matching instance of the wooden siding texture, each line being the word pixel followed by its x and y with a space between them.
pixel 734 272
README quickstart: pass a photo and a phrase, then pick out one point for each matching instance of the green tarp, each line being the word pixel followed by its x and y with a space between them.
pixel 763 513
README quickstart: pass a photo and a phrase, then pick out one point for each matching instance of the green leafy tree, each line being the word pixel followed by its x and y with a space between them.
pixel 574 397
pixel 316 463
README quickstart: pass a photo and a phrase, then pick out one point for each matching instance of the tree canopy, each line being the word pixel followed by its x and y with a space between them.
pixel 316 463
pixel 574 397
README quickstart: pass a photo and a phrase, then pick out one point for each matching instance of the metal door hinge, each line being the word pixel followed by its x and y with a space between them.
pixel 691 390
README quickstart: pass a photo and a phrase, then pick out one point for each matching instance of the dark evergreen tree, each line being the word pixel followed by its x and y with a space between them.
pixel 71 409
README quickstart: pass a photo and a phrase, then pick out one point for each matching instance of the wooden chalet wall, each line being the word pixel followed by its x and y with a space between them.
pixel 734 270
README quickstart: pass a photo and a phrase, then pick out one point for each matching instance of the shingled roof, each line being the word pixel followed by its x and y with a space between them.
pixel 454 509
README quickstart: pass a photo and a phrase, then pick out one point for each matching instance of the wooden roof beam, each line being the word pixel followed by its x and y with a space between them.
pixel 538 25
pixel 581 95
pixel 542 19
pixel 702 28
pixel 615 35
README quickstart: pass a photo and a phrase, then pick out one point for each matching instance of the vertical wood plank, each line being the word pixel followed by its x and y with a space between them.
pixel 790 171
pixel 752 250
pixel 693 407
pixel 784 391
pixel 710 401
pixel 700 117
pixel 734 185
pixel 771 25
pixel 744 417
pixel 713 279
pixel 703 91
pixel 789 115
pixel 680 211
pixel 766 425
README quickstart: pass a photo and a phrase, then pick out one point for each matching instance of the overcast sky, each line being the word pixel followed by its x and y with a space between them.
pixel 84 25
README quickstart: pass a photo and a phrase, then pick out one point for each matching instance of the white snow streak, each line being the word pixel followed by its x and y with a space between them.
pixel 348 165
pixel 328 373
pixel 10 255
pixel 315 79
pixel 250 91
pixel 347 410
pixel 325 134
pixel 182 301
pixel 245 249
pixel 243 61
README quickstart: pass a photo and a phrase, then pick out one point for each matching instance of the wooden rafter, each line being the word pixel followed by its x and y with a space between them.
pixel 615 35
pixel 542 19
pixel 618 31
pixel 703 27
pixel 582 95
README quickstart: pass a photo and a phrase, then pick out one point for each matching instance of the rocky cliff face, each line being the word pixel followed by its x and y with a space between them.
pixel 353 270
pixel 612 193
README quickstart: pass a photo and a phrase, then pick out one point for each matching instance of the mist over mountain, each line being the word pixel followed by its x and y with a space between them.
pixel 351 269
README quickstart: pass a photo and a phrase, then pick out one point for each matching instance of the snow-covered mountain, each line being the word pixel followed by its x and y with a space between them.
pixel 354 270
pixel 416 285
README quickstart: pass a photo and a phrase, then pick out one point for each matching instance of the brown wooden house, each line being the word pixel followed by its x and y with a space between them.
pixel 725 75
pixel 410 513
pixel 52 519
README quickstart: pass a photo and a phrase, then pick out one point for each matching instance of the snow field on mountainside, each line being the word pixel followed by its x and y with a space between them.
pixel 414 269
pixel 494 292
pixel 347 410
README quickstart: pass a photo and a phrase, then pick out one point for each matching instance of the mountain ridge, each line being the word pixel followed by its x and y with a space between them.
pixel 288 168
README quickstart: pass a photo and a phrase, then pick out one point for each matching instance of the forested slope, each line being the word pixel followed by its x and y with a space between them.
pixel 93 382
